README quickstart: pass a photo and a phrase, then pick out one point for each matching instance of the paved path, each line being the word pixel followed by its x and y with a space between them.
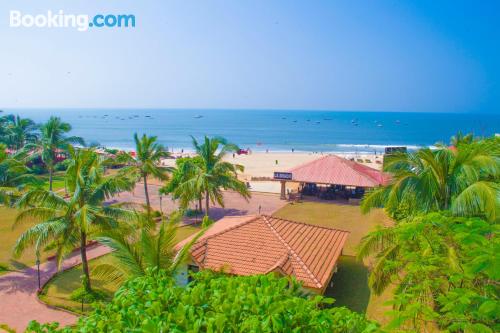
pixel 234 204
pixel 18 300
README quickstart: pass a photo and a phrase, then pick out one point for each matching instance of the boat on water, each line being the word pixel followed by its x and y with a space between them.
pixel 380 125
pixel 198 116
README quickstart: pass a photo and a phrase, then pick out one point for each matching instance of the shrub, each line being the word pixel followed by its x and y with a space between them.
pixel 216 303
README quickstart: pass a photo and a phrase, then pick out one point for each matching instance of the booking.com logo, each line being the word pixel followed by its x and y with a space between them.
pixel 81 22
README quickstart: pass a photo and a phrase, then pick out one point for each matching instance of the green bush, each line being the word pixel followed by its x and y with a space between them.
pixel 87 297
pixel 216 303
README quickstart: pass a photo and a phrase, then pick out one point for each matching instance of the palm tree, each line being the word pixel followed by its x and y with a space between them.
pixel 4 121
pixel 183 172
pixel 461 138
pixel 52 139
pixel 145 163
pixel 14 175
pixel 213 174
pixel 463 179
pixel 20 131
pixel 141 246
pixel 70 222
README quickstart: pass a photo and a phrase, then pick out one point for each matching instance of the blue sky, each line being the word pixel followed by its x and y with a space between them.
pixel 430 56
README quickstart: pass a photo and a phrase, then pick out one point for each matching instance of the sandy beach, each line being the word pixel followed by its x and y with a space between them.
pixel 263 165
pixel 260 166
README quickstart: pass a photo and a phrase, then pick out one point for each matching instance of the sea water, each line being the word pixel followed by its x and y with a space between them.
pixel 273 130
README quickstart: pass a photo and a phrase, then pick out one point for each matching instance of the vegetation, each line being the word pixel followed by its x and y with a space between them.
pixel 140 246
pixel 444 268
pixel 145 162
pixel 463 179
pixel 69 222
pixel 59 290
pixel 216 303
pixel 182 173
pixel 17 132
pixel 53 140
pixel 209 174
pixel 14 175
pixel 8 237
pixel 442 256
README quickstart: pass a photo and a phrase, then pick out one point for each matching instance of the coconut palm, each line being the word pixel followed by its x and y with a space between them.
pixel 442 268
pixel 4 121
pixel 53 139
pixel 461 138
pixel 463 179
pixel 20 131
pixel 212 174
pixel 72 221
pixel 14 175
pixel 146 162
pixel 183 172
pixel 141 246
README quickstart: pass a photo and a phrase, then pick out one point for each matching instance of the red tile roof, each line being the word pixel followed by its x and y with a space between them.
pixel 262 244
pixel 332 169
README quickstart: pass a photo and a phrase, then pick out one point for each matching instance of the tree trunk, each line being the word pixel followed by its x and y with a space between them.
pixel 51 173
pixel 85 265
pixel 207 203
pixel 148 204
pixel 200 204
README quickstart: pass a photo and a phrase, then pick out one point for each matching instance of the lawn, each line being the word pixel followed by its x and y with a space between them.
pixel 57 180
pixel 58 290
pixel 8 237
pixel 344 217
pixel 350 284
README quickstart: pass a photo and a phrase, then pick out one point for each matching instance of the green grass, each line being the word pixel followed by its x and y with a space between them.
pixel 350 284
pixel 8 237
pixel 344 217
pixel 57 181
pixel 58 290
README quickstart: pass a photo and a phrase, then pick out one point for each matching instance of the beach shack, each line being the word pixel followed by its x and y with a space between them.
pixel 331 177
pixel 250 245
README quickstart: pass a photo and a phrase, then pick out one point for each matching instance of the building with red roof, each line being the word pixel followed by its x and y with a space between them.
pixel 248 245
pixel 333 170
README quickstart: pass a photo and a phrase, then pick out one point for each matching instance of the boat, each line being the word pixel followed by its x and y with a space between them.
pixel 198 116
pixel 380 125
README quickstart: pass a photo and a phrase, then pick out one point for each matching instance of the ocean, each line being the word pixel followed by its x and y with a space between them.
pixel 275 130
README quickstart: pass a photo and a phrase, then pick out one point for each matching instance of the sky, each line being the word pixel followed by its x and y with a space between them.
pixel 416 56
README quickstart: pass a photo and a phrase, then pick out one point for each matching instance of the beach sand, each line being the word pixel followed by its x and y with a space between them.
pixel 260 166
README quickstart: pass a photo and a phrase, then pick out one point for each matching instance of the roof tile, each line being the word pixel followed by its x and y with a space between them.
pixel 261 244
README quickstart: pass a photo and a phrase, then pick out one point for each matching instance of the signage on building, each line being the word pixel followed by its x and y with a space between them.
pixel 283 175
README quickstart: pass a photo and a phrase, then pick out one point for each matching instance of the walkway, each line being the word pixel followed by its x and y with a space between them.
pixel 19 303
pixel 234 204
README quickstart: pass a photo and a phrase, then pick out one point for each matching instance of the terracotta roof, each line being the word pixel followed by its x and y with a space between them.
pixel 262 244
pixel 332 169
